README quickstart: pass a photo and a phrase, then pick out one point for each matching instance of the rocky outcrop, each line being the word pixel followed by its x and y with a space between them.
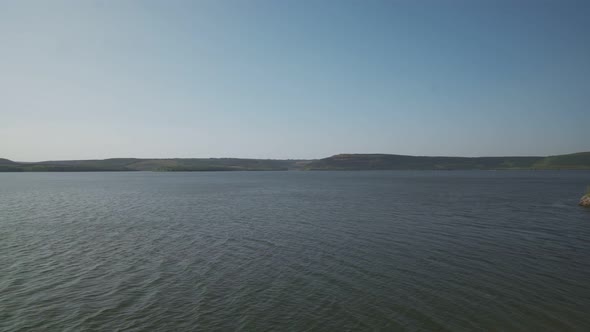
pixel 585 200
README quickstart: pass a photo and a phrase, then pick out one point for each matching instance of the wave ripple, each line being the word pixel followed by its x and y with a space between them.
pixel 264 251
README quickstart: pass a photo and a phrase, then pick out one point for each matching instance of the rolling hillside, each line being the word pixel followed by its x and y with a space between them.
pixel 402 162
pixel 134 164
pixel 575 161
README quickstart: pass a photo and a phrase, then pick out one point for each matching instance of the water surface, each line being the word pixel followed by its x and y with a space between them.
pixel 276 251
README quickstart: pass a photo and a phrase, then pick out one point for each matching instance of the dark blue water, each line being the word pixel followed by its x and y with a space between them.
pixel 300 251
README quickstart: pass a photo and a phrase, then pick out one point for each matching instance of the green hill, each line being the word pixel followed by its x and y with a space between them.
pixel 164 165
pixel 9 166
pixel 579 160
pixel 575 161
pixel 212 164
pixel 403 162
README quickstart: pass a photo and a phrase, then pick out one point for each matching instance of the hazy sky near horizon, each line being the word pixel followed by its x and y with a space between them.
pixel 293 78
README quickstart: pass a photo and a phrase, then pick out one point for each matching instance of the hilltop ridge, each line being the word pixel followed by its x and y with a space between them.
pixel 137 164
pixel 573 161
pixel 404 162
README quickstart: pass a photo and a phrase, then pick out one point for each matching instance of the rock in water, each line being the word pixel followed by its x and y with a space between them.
pixel 585 200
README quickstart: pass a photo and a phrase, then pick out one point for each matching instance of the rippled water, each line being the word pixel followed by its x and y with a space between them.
pixel 262 251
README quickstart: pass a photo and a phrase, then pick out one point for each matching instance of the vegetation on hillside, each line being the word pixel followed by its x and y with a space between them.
pixel 338 162
pixel 162 165
pixel 402 162
pixel 579 160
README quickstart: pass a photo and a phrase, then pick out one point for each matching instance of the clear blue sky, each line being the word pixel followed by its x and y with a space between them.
pixel 293 79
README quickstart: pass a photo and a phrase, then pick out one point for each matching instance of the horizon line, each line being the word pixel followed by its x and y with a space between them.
pixel 301 159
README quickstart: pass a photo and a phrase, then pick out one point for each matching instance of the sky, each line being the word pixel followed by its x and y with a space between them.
pixel 293 78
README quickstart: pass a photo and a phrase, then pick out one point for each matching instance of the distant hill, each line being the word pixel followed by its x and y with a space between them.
pixel 163 165
pixel 213 164
pixel 403 162
pixel 8 166
pixel 575 161
pixel 579 160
